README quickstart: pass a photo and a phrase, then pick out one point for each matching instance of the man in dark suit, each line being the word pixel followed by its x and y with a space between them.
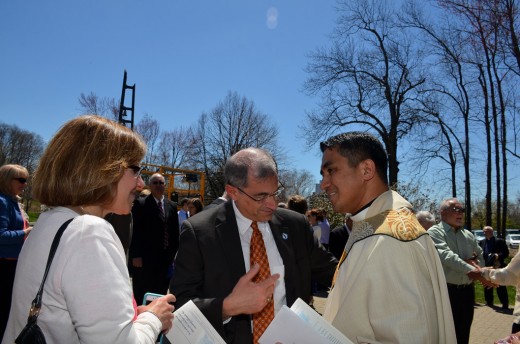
pixel 155 240
pixel 339 236
pixel 495 251
pixel 123 226
pixel 220 200
pixel 212 267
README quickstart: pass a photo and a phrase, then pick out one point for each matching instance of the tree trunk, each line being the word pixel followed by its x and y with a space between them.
pixel 489 148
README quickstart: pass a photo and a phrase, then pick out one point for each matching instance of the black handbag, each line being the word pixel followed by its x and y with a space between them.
pixel 31 333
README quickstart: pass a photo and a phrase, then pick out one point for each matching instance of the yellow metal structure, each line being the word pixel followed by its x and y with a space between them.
pixel 180 183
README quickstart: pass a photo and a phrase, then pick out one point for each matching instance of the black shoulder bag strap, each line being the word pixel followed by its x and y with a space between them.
pixel 37 302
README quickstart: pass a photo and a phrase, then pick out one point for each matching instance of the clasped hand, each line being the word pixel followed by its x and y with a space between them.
pixel 476 275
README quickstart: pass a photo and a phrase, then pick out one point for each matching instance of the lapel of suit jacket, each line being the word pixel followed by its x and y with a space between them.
pixel 152 205
pixel 284 244
pixel 226 231
pixel 283 240
pixel 167 205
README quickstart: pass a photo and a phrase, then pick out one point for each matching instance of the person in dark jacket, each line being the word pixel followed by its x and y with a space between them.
pixel 13 231
pixel 214 267
pixel 155 240
pixel 495 251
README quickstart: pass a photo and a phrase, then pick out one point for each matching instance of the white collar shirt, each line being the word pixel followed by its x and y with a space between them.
pixel 275 260
pixel 159 200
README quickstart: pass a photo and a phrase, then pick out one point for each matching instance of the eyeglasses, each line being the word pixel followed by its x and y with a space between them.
pixel 157 182
pixel 264 197
pixel 136 169
pixel 21 180
pixel 457 210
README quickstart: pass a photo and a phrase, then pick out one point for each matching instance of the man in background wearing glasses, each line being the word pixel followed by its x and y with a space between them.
pixel 213 267
pixel 461 258
pixel 155 240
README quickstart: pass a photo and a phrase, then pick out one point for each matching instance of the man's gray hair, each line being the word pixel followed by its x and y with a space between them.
pixel 156 176
pixel 426 216
pixel 256 161
pixel 445 204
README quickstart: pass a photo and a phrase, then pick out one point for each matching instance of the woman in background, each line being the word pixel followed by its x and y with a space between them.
pixel 89 169
pixel 13 230
pixel 195 206
pixel 315 217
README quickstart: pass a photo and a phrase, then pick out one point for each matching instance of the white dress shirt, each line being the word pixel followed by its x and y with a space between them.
pixel 275 260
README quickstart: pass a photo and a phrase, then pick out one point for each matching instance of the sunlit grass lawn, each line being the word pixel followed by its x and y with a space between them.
pixel 33 216
pixel 479 295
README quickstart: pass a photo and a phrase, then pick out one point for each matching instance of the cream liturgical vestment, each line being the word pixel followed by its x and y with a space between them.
pixel 391 287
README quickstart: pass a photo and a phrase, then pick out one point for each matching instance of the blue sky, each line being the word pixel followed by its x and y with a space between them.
pixel 183 56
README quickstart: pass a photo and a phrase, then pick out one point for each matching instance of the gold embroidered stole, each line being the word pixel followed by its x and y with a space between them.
pixel 397 223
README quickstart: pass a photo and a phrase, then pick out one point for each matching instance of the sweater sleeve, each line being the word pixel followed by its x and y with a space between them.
pixel 11 223
pixel 97 290
pixel 505 276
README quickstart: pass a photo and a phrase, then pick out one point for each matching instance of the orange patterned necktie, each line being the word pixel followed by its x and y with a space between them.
pixel 258 255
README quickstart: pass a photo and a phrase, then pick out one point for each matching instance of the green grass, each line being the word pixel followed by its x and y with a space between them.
pixel 479 295
pixel 33 216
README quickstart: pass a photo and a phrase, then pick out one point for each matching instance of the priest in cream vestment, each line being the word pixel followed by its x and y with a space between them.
pixel 389 286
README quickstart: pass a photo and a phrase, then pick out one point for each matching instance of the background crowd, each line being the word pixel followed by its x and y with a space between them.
pixel 241 257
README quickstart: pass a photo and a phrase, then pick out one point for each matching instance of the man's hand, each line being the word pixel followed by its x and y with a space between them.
pixel 247 296
pixel 476 275
pixel 513 339
pixel 473 260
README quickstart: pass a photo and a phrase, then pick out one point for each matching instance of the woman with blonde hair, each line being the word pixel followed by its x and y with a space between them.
pixel 89 169
pixel 13 230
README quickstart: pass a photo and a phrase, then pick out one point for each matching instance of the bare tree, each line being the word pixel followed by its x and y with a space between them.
pixel 174 147
pixel 18 146
pixel 418 196
pixel 447 96
pixel 489 150
pixel 149 129
pixel 484 21
pixel 233 124
pixel 297 182
pixel 509 28
pixel 435 140
pixel 106 107
pixel 369 78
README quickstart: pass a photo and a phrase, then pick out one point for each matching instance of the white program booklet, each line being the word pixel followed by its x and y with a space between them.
pixel 301 324
pixel 190 326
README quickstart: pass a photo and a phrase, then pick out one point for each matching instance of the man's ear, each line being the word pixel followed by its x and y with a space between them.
pixel 368 168
pixel 232 192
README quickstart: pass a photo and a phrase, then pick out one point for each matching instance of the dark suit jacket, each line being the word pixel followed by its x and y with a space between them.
pixel 497 245
pixel 210 262
pixel 215 203
pixel 123 225
pixel 337 240
pixel 148 232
